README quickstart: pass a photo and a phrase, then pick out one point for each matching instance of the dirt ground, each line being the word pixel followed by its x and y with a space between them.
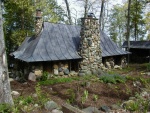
pixel 107 94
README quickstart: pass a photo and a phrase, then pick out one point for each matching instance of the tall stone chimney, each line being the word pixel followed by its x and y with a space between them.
pixel 39 21
pixel 90 46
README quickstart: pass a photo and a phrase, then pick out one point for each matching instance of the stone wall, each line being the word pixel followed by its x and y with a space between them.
pixel 90 46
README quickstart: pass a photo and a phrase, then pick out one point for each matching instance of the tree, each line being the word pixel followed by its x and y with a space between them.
pixel 147 21
pixel 101 13
pixel 5 91
pixel 68 11
pixel 52 12
pixel 117 21
pixel 20 19
pixel 137 21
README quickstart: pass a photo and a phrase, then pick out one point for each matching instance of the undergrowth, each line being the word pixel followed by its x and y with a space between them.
pixel 58 80
pixel 112 78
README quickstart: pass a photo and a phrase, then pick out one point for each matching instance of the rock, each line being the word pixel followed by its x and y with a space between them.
pixel 32 77
pixel 56 111
pixel 99 72
pixel 108 65
pixel 148 73
pixel 145 95
pixel 84 67
pixel 81 74
pixel 73 73
pixel 132 98
pixel 87 84
pixel 55 66
pixel 34 95
pixel 61 73
pixel 36 105
pixel 38 73
pixel 105 108
pixel 60 69
pixel 88 72
pixel 94 72
pixel 137 84
pixel 50 105
pixel 15 93
pixel 117 67
pixel 50 76
pixel 55 71
pixel 115 107
pixel 11 79
pixel 126 104
pixel 91 110
pixel 66 71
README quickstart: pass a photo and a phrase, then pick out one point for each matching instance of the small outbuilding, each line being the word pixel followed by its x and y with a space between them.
pixel 140 51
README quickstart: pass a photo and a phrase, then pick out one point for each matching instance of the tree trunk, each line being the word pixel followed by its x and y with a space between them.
pixel 5 91
pixel 128 27
pixel 68 11
pixel 85 8
pixel 135 24
pixel 101 14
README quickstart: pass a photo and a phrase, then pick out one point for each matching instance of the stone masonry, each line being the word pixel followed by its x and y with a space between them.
pixel 39 21
pixel 90 46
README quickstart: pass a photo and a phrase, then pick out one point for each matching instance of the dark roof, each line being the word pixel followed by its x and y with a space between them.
pixel 60 42
pixel 137 44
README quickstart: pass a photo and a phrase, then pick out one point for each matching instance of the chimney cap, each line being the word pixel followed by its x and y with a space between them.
pixel 38 9
pixel 91 15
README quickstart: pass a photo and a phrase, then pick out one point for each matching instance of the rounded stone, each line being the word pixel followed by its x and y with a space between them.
pixel 88 72
pixel 81 74
pixel 94 72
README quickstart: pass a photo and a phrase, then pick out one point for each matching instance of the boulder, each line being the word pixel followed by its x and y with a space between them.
pixel 60 69
pixel 81 74
pixel 55 71
pixel 117 67
pixel 66 71
pixel 115 107
pixel 94 72
pixel 108 65
pixel 56 111
pixel 73 73
pixel 88 72
pixel 61 73
pixel 91 110
pixel 32 77
pixel 38 73
pixel 11 79
pixel 50 105
pixel 105 108
pixel 55 66
pixel 15 93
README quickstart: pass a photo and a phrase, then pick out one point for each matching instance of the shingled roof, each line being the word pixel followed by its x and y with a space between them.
pixel 137 44
pixel 60 42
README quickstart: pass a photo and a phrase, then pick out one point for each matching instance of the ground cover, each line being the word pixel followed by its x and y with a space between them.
pixel 90 90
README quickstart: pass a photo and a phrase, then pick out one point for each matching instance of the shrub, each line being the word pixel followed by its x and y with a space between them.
pixel 148 66
pixel 44 76
pixel 112 78
pixel 5 108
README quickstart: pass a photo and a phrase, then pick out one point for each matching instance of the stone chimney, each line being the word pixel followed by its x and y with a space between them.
pixel 90 46
pixel 39 21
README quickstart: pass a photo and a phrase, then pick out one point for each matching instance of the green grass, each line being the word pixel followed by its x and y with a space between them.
pixel 58 80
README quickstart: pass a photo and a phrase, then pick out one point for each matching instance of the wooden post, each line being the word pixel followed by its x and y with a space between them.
pixel 70 65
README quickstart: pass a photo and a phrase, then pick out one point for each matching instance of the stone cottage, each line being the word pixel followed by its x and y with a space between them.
pixel 61 48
